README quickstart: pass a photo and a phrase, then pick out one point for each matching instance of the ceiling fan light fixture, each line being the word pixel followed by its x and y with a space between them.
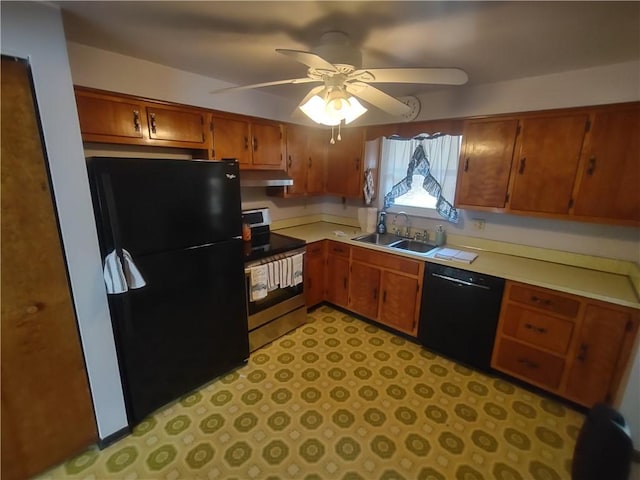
pixel 333 109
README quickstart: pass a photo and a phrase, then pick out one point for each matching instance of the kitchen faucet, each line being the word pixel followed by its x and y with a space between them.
pixel 406 224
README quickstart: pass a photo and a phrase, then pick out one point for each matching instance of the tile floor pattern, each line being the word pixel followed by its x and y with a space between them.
pixel 341 399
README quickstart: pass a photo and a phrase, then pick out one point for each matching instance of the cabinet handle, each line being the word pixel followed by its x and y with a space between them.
pixel 357 164
pixel 136 120
pixel 153 122
pixel 530 326
pixel 384 296
pixel 375 293
pixel 466 165
pixel 309 162
pixel 246 143
pixel 289 164
pixel 344 282
pixel 528 363
pixel 523 163
pixel 255 144
pixel 542 301
pixel 591 166
pixel 582 353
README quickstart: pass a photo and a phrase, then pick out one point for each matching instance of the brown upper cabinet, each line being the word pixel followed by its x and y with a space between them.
pixel 306 160
pixel 111 118
pixel 345 167
pixel 574 164
pixel 254 142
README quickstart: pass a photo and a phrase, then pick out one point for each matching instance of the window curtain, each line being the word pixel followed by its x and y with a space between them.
pixel 434 157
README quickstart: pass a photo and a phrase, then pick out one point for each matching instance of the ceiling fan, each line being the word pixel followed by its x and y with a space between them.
pixel 337 66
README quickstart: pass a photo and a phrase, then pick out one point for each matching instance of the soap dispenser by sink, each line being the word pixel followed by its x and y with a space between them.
pixel 382 227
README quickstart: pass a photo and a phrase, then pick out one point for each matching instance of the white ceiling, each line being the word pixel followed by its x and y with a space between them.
pixel 235 41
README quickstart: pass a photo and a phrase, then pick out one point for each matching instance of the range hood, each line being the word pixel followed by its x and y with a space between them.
pixel 265 178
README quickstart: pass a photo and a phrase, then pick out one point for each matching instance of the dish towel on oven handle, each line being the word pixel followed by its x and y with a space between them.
pixel 273 269
pixel 286 271
pixel 259 276
pixel 296 261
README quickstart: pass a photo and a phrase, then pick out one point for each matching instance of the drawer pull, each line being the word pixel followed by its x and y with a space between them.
pixel 541 301
pixel 153 123
pixel 530 326
pixel 136 120
pixel 582 353
pixel 528 363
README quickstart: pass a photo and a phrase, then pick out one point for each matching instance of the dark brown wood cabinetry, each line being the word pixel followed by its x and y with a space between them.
pixel 573 164
pixel 120 119
pixel 345 171
pixel 337 286
pixel 572 346
pixel 306 160
pixel 314 273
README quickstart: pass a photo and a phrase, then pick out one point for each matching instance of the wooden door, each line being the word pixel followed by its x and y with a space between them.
pixel 316 161
pixel 485 163
pixel 296 161
pixel 46 405
pixel 266 145
pixel 344 164
pixel 314 273
pixel 104 119
pixel 364 289
pixel 611 167
pixel 231 140
pixel 176 125
pixel 546 163
pixel 338 280
pixel 598 354
pixel 399 306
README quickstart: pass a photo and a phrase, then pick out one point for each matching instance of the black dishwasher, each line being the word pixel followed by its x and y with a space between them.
pixel 459 314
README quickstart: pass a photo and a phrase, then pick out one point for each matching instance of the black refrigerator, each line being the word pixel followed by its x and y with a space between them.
pixel 180 221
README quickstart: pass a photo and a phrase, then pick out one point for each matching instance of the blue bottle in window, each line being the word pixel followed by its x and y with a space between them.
pixel 382 228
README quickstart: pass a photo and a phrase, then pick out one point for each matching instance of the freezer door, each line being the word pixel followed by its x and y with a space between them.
pixel 186 327
pixel 159 205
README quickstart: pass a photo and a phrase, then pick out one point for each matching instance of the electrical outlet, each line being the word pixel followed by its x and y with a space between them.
pixel 478 223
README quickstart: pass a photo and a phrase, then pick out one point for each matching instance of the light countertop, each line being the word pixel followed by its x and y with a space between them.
pixel 605 286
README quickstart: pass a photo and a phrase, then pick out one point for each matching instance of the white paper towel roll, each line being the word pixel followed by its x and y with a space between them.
pixel 368 218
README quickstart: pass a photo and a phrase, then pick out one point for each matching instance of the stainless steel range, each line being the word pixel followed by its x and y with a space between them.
pixel 274 270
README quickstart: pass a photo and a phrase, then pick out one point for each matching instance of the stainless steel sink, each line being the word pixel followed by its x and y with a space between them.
pixel 413 245
pixel 395 241
pixel 379 238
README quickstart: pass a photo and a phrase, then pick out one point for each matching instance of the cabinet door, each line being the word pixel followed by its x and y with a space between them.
pixel 45 396
pixel 485 165
pixel 364 288
pixel 611 173
pixel 231 140
pixel 175 125
pixel 266 144
pixel 344 164
pixel 399 302
pixel 104 119
pixel 297 141
pixel 599 347
pixel 546 163
pixel 316 161
pixel 338 280
pixel 314 274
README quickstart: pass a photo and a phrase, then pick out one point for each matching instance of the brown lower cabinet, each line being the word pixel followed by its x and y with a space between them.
pixel 380 286
pixel 572 346
pixel 314 261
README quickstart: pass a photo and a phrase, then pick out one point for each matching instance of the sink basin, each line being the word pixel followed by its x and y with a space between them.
pixel 379 238
pixel 413 245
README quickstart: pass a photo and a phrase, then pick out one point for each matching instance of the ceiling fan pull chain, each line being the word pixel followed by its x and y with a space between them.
pixel 332 141
pixel 339 137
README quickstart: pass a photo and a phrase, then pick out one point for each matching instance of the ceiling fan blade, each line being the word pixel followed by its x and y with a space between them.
pixel 266 84
pixel 377 98
pixel 308 58
pixel 442 76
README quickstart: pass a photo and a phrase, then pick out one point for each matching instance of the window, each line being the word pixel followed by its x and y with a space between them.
pixel 418 175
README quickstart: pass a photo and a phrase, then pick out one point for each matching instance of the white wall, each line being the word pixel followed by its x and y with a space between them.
pixel 34 31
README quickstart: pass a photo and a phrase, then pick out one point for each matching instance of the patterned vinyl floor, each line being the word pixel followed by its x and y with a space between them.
pixel 341 399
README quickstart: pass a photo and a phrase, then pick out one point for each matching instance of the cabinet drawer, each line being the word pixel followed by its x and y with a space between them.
pixel 314 249
pixel 537 328
pixel 336 248
pixel 529 363
pixel 390 261
pixel 544 300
